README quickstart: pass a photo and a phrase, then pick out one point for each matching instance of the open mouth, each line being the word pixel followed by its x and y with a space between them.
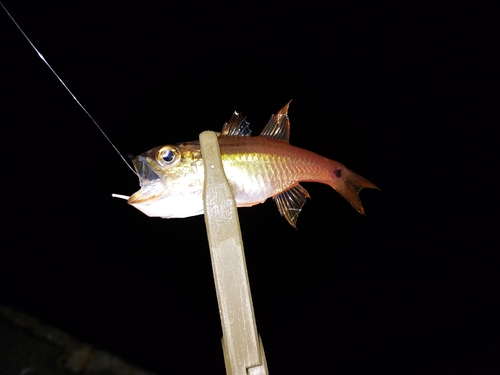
pixel 151 186
pixel 144 170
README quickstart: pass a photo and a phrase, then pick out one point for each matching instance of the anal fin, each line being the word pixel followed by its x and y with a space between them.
pixel 290 203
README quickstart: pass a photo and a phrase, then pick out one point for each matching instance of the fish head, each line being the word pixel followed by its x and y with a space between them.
pixel 171 180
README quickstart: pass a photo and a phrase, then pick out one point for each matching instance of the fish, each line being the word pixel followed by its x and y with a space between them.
pixel 257 168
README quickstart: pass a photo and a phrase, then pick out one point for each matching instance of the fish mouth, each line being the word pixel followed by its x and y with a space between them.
pixel 144 170
pixel 149 181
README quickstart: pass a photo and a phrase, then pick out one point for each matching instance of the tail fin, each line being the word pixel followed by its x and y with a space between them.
pixel 348 184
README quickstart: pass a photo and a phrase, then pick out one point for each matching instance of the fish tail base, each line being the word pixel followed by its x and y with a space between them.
pixel 348 184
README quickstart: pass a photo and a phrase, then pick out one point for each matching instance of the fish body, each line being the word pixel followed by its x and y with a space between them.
pixel 257 168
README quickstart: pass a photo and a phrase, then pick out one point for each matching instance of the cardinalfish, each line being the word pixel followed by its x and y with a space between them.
pixel 257 168
pixel 267 166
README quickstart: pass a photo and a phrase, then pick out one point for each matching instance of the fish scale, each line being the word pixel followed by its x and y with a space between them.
pixel 275 163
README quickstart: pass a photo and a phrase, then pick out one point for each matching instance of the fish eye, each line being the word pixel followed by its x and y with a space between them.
pixel 167 155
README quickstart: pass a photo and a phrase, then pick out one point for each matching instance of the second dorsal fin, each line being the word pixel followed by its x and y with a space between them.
pixel 278 126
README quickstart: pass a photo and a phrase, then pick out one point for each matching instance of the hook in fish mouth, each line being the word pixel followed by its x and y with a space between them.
pixel 144 170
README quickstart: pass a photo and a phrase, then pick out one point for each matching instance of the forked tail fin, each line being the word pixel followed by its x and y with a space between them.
pixel 348 184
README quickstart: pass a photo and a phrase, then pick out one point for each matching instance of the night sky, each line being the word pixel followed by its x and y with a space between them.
pixel 392 92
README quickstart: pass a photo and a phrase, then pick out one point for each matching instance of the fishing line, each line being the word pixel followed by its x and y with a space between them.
pixel 66 87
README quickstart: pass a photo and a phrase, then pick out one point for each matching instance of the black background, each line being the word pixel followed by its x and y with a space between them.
pixel 398 93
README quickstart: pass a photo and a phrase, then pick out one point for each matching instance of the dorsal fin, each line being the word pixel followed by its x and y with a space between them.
pixel 236 127
pixel 290 203
pixel 278 126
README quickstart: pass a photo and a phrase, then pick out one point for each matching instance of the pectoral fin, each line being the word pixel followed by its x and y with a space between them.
pixel 290 203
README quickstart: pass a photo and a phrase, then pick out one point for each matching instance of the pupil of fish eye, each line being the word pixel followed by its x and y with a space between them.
pixel 167 156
